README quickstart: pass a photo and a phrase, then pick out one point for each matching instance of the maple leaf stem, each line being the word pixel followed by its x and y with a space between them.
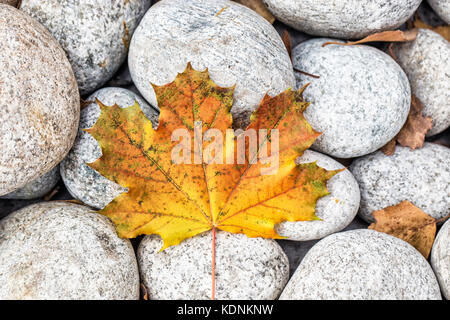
pixel 213 263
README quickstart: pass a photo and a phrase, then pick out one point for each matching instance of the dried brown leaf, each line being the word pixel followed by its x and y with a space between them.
pixel 442 30
pixel 287 42
pixel 259 7
pixel 385 36
pixel 51 194
pixel 412 134
pixel 85 103
pixel 409 223
pixel 144 292
pixel 389 148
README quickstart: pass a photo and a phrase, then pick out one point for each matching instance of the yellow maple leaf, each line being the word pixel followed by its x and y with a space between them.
pixel 178 201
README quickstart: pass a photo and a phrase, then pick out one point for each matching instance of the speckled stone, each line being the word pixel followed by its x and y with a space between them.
pixel 343 18
pixel 426 61
pixel 336 210
pixel 362 265
pixel 421 176
pixel 39 101
pixel 95 35
pixel 440 258
pixel 37 188
pixel 10 2
pixel 236 45
pixel 442 8
pixel 59 250
pixel 246 268
pixel 359 103
pixel 83 182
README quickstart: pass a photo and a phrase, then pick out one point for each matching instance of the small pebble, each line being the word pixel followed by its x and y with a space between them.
pixel 83 182
pixel 63 251
pixel 442 8
pixel 246 268
pixel 336 210
pixel 440 258
pixel 94 34
pixel 426 61
pixel 359 103
pixel 421 176
pixel 362 265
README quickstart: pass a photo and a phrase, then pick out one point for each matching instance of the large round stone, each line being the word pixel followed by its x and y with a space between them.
pixel 59 250
pixel 236 45
pixel 440 258
pixel 421 176
pixel 39 100
pixel 36 188
pixel 246 268
pixel 336 210
pixel 359 103
pixel 362 265
pixel 94 34
pixel 83 182
pixel 442 8
pixel 343 18
pixel 426 61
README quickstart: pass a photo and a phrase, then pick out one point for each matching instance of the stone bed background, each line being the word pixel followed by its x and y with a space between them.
pixel 295 250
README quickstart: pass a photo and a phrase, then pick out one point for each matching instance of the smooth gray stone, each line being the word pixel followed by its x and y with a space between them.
pixel 359 103
pixel 237 45
pixel 345 19
pixel 442 8
pixel 58 250
pixel 426 61
pixel 94 34
pixel 336 210
pixel 246 268
pixel 362 265
pixel 421 176
pixel 39 100
pixel 440 258
pixel 83 182
pixel 37 188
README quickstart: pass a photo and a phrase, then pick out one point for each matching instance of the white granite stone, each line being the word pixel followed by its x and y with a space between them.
pixel 236 45
pixel 440 258
pixel 39 101
pixel 58 250
pixel 83 182
pixel 343 18
pixel 359 103
pixel 426 61
pixel 362 265
pixel 336 210
pixel 421 176
pixel 246 268
pixel 442 8
pixel 94 34
pixel 37 188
